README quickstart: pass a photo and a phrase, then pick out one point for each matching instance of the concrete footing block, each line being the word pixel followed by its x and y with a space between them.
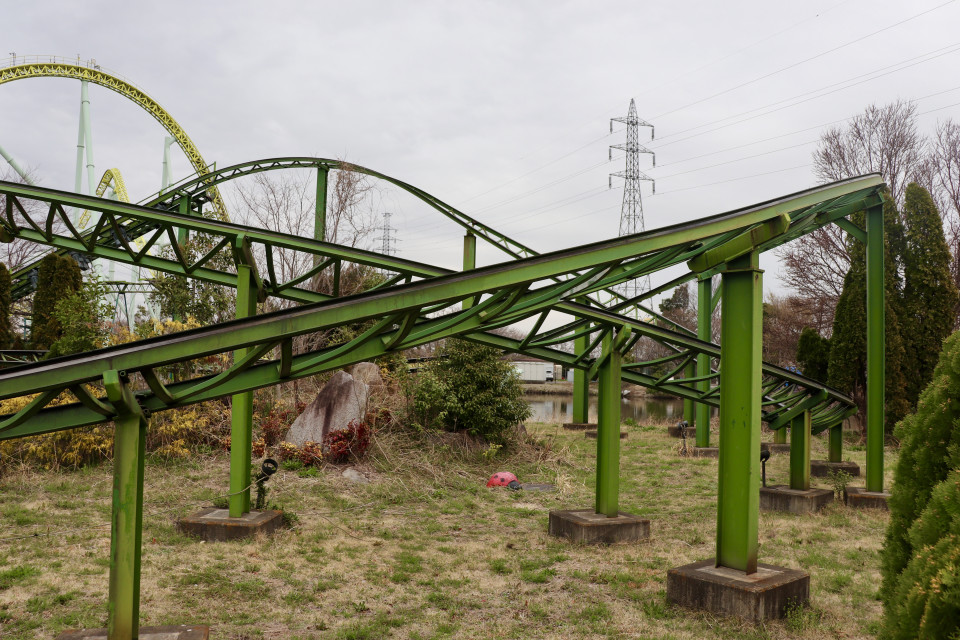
pixel 593 434
pixel 783 498
pixel 170 632
pixel 579 426
pixel 760 596
pixel 823 468
pixel 775 447
pixel 216 525
pixel 860 498
pixel 586 525
pixel 705 452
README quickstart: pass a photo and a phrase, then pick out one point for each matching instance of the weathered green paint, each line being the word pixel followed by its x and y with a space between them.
pixel 688 412
pixel 129 446
pixel 608 430
pixel 836 443
pixel 800 452
pixel 241 418
pixel 469 260
pixel 738 498
pixel 875 349
pixel 704 332
pixel 741 245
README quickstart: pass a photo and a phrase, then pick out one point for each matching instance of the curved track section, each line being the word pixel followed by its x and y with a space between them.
pixel 139 96
pixel 404 315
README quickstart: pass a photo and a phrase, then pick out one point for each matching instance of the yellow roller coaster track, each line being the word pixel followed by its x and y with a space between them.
pixel 95 75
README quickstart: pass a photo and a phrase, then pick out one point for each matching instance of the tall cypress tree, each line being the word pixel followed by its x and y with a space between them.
pixel 847 368
pixel 813 354
pixel 6 334
pixel 59 277
pixel 929 295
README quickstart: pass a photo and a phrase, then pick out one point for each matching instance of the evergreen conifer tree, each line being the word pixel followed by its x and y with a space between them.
pixel 58 278
pixel 929 295
pixel 813 354
pixel 6 334
pixel 929 452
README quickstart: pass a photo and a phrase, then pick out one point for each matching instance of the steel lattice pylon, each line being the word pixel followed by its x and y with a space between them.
pixel 631 213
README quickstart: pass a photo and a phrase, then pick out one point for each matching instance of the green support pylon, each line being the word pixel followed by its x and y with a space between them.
pixel 780 436
pixel 800 452
pixel 704 322
pixel 608 429
pixel 241 418
pixel 836 443
pixel 738 490
pixel 875 349
pixel 129 446
pixel 469 260
pixel 688 411
pixel 581 386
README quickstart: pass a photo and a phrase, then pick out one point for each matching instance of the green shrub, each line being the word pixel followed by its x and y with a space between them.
pixel 469 387
pixel 924 507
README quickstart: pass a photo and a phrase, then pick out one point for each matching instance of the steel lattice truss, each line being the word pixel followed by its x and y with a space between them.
pixel 419 304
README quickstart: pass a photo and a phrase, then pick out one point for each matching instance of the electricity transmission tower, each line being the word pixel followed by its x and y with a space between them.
pixel 631 214
pixel 387 239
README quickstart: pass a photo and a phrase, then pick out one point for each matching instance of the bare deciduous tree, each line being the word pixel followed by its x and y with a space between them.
pixel 881 139
pixel 19 253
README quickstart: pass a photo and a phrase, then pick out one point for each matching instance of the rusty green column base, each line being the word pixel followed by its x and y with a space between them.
pixel 589 527
pixel 765 594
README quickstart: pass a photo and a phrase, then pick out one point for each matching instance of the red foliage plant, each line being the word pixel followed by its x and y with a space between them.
pixel 353 441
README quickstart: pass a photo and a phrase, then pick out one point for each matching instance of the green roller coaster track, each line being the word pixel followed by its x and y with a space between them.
pixel 419 303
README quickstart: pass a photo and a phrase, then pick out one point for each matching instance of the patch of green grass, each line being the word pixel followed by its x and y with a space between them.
pixel 499 566
pixel 17 575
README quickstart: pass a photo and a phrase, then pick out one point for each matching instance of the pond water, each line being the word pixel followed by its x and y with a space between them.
pixel 559 408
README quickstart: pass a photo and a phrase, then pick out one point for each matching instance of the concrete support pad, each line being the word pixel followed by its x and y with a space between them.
pixel 822 468
pixel 860 498
pixel 764 595
pixel 783 498
pixel 174 632
pixel 593 434
pixel 775 447
pixel 586 525
pixel 216 525
pixel 705 452
pixel 579 426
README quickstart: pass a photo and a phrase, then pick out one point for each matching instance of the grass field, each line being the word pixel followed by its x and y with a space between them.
pixel 424 550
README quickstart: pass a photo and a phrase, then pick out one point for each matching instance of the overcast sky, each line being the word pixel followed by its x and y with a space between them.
pixel 501 109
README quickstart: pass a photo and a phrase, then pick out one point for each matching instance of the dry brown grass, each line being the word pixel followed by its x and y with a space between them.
pixel 424 550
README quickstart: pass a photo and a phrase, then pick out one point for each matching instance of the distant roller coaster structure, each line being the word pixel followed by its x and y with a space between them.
pixel 418 303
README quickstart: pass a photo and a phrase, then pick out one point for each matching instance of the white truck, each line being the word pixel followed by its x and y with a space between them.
pixel 534 371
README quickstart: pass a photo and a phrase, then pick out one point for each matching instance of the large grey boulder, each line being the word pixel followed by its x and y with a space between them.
pixel 340 401
pixel 366 372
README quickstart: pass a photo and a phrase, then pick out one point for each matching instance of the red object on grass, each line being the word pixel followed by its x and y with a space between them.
pixel 501 479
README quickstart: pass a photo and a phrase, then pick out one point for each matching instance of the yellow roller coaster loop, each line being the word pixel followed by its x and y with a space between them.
pixel 76 71
pixel 113 179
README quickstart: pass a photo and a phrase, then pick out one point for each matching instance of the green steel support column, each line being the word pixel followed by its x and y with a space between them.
pixel 183 208
pixel 738 490
pixel 581 386
pixel 704 319
pixel 130 436
pixel 469 260
pixel 320 211
pixel 608 430
pixel 780 436
pixel 688 372
pixel 241 419
pixel 800 452
pixel 875 349
pixel 836 443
